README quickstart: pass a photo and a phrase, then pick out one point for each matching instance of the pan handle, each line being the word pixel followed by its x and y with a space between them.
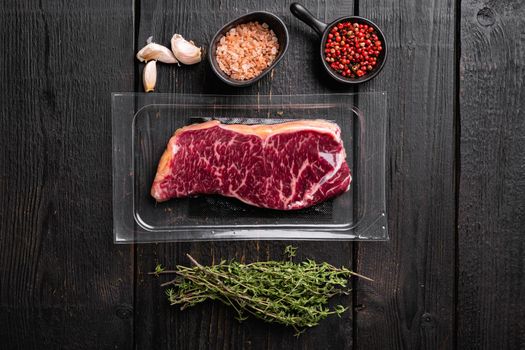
pixel 306 16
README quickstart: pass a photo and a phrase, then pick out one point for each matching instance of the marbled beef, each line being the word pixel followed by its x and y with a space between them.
pixel 285 166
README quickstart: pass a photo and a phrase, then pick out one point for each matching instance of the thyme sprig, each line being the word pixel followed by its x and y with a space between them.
pixel 293 294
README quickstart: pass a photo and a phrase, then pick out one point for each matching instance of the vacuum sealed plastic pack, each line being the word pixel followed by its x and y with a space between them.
pixel 142 125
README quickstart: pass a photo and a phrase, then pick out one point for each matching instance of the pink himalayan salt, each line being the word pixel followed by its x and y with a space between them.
pixel 246 50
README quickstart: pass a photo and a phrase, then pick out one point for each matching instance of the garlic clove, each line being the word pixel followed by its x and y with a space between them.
pixel 157 52
pixel 185 51
pixel 149 76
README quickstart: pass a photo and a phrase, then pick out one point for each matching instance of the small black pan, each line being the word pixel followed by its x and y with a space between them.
pixel 275 24
pixel 323 30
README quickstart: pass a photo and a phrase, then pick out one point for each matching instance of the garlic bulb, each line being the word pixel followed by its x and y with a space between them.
pixel 156 52
pixel 149 76
pixel 185 51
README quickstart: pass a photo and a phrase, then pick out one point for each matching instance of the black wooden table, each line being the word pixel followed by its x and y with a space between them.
pixel 452 275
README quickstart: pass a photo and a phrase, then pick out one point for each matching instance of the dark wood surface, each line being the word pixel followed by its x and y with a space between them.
pixel 452 274
pixel 412 300
pixel 491 210
pixel 62 281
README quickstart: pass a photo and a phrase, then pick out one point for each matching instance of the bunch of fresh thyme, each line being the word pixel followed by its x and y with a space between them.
pixel 293 294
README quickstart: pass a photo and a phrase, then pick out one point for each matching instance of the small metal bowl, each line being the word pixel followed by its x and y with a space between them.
pixel 323 30
pixel 275 24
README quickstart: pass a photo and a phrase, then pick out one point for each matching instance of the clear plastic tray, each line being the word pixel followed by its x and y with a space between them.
pixel 143 124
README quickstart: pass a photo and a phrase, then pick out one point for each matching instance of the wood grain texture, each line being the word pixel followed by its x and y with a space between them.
pixel 63 284
pixel 491 284
pixel 411 303
pixel 212 325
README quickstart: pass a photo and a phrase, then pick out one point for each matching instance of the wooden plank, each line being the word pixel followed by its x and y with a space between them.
pixel 491 245
pixel 411 303
pixel 212 325
pixel 63 284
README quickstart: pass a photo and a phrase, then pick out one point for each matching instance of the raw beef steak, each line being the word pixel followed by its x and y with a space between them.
pixel 285 166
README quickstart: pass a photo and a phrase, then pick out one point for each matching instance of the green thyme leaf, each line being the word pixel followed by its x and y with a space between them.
pixel 293 294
